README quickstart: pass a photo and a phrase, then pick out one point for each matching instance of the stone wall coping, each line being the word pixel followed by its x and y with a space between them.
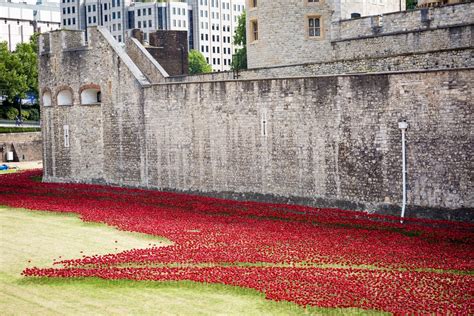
pixel 419 30
pixel 357 74
pixel 181 78
pixel 119 50
pixel 150 58
pixel 406 11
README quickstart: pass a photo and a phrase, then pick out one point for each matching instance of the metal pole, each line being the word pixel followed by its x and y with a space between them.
pixel 404 175
pixel 403 125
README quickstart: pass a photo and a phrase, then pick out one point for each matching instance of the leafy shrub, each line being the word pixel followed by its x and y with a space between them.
pixel 11 113
pixel 34 115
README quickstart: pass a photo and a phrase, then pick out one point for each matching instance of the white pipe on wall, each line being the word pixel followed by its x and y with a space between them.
pixel 403 125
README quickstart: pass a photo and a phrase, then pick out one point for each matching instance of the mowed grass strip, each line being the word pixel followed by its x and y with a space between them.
pixel 35 238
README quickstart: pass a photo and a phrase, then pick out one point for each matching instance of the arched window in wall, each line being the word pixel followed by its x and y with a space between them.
pixel 65 97
pixel 91 96
pixel 47 100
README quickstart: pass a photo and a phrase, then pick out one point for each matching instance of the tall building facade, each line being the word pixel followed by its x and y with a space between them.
pixel 152 16
pixel 215 24
pixel 20 20
pixel 210 23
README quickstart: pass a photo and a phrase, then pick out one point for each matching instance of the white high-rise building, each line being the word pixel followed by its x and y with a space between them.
pixel 215 22
pixel 152 16
pixel 20 20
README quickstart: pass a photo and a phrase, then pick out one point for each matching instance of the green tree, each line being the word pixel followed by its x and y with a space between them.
pixel 198 63
pixel 18 75
pixel 239 60
pixel 411 4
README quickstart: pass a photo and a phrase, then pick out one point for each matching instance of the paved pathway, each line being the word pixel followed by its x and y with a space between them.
pixel 24 165
pixel 7 123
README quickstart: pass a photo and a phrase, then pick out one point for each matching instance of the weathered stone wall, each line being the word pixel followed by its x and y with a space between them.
pixel 26 146
pixel 105 138
pixel 328 140
pixel 282 33
pixel 411 32
pixel 443 59
pixel 402 22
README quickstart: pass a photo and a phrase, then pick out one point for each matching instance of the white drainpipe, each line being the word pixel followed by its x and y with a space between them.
pixel 403 125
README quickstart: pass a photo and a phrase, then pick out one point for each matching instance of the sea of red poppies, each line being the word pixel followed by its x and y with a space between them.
pixel 309 256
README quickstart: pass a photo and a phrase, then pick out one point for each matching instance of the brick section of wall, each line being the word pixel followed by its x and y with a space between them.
pixel 329 140
pixel 170 49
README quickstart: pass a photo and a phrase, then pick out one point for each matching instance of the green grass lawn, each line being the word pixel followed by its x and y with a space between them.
pixel 19 129
pixel 35 238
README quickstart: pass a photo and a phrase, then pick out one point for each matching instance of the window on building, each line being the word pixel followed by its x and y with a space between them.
pixel 106 18
pixel 139 24
pixel 119 15
pixel 149 11
pixel 74 21
pixel 253 3
pixel 47 99
pixel 314 26
pixel 105 6
pixel 313 1
pixel 90 96
pixel 253 30
pixel 73 9
pixel 139 12
pixel 64 97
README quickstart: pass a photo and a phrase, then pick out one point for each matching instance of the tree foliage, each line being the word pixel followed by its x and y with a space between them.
pixel 19 76
pixel 411 4
pixel 239 60
pixel 198 63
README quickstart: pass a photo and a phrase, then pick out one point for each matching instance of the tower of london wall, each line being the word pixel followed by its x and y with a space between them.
pixel 328 140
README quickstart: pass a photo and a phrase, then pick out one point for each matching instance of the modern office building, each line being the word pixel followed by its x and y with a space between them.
pixel 215 22
pixel 152 16
pixel 20 20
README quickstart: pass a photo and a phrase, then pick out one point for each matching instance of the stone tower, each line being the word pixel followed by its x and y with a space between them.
pixel 286 32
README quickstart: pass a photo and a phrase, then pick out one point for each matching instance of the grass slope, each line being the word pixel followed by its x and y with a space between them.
pixel 34 238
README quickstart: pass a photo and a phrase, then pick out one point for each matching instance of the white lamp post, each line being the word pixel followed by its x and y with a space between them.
pixel 403 125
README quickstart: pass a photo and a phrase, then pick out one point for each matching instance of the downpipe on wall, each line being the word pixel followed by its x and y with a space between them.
pixel 403 125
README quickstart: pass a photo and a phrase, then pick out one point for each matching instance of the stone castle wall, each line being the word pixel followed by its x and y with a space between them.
pixel 329 140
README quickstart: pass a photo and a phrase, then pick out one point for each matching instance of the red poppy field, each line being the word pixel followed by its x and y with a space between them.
pixel 309 256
